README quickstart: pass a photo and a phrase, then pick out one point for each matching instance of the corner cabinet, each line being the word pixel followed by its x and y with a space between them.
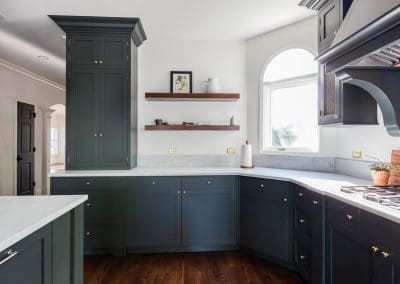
pixel 101 87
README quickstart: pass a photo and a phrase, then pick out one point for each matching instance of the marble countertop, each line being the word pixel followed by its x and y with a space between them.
pixel 324 183
pixel 20 216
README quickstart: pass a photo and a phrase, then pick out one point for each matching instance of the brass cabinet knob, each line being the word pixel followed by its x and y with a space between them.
pixel 261 185
pixel 374 249
pixel 349 217
pixel 184 192
pixel 95 135
pixel 302 257
pixel 88 204
pixel 153 182
pixel 101 134
pixel 95 62
pixel 385 254
pixel 101 61
pixel 87 233
pixel 301 194
pixel 87 182
pixel 302 221
pixel 178 192
pixel 209 182
pixel 285 199
pixel 315 202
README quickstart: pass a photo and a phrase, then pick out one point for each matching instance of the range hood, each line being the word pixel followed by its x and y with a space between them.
pixel 366 49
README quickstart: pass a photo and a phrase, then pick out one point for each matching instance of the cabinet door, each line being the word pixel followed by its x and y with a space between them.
pixel 29 261
pixel 81 115
pixel 83 50
pixel 114 106
pixel 208 218
pixel 329 22
pixel 349 260
pixel 265 218
pixel 115 51
pixel 329 99
pixel 153 214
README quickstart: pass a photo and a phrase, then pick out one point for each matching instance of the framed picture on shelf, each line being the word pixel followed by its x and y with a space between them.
pixel 181 82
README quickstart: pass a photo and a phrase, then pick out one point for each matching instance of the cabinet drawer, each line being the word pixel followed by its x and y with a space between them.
pixel 103 237
pixel 153 184
pixel 344 215
pixel 308 200
pixel 71 185
pixel 301 221
pixel 208 182
pixel 265 189
pixel 103 207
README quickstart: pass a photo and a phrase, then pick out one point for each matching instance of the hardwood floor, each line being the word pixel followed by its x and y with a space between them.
pixel 190 268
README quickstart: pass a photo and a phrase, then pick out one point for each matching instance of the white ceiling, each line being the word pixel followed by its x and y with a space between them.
pixel 26 32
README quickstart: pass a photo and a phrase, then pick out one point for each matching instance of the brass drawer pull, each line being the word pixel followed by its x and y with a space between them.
pixel 178 192
pixel 302 257
pixel 301 194
pixel 209 182
pixel 315 202
pixel 87 233
pixel 349 217
pixel 153 182
pixel 374 249
pixel 302 221
pixel 9 255
pixel 95 62
pixel 285 199
pixel 385 254
pixel 88 204
pixel 87 182
pixel 261 185
pixel 101 61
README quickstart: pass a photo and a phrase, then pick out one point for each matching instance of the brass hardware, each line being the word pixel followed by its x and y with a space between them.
pixel 285 199
pixel 374 249
pixel 95 135
pixel 385 254
pixel 101 134
pixel 209 182
pixel 184 192
pixel 153 182
pixel 95 62
pixel 301 194
pixel 87 182
pixel 302 221
pixel 87 204
pixel 315 202
pixel 302 257
pixel 101 62
pixel 261 185
pixel 349 216
pixel 9 255
pixel 178 192
pixel 87 233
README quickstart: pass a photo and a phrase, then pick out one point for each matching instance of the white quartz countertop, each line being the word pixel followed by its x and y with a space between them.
pixel 324 183
pixel 21 216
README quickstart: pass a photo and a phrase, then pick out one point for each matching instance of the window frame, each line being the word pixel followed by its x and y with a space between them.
pixel 265 114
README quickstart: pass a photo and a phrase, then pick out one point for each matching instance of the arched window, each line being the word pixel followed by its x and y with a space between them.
pixel 289 116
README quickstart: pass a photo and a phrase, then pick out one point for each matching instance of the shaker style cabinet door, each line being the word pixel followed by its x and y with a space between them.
pixel 114 105
pixel 153 214
pixel 83 50
pixel 115 51
pixel 329 23
pixel 81 119
pixel 29 261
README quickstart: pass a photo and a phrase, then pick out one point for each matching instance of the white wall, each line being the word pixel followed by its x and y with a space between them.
pixel 14 87
pixel 259 51
pixel 223 59
pixel 58 121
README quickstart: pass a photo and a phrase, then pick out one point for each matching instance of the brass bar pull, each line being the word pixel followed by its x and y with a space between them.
pixel 9 255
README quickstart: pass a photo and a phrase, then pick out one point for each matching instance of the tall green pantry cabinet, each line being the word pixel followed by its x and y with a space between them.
pixel 101 91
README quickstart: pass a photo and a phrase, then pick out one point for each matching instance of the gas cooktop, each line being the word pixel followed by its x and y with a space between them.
pixel 385 195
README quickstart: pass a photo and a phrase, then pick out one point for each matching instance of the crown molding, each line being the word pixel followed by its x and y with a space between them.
pixel 30 74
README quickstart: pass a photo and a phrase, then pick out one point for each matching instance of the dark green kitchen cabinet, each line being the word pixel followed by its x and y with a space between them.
pixel 266 218
pixel 209 212
pixel 101 91
pixel 28 261
pixel 105 210
pixel 181 214
pixel 309 244
pixel 153 213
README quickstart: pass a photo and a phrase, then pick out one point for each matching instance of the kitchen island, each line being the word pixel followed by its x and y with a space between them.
pixel 41 239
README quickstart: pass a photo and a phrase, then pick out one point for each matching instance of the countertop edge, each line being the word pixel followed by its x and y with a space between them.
pixel 41 223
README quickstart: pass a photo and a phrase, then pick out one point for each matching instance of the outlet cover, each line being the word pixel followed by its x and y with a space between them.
pixel 231 151
pixel 172 150
pixel 356 154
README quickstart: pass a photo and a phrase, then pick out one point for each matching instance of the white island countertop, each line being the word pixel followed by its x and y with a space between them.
pixel 21 216
pixel 324 183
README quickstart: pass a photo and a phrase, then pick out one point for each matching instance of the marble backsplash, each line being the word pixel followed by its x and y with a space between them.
pixel 348 167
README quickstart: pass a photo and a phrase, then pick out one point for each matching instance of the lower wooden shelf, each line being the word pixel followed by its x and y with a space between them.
pixel 193 127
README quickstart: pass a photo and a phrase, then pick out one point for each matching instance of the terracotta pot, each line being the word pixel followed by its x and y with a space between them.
pixel 380 178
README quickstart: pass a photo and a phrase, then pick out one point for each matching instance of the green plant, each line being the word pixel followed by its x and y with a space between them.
pixel 378 164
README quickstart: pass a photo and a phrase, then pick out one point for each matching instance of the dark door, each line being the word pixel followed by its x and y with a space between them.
pixel 82 131
pixel 25 149
pixel 83 50
pixel 114 51
pixel 113 125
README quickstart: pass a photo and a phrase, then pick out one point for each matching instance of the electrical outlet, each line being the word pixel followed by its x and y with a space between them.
pixel 356 154
pixel 172 150
pixel 231 151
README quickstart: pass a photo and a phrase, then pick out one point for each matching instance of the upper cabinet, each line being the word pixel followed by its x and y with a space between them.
pixel 100 119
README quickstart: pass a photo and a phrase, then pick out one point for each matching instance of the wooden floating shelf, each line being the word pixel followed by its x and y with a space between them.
pixel 193 127
pixel 192 96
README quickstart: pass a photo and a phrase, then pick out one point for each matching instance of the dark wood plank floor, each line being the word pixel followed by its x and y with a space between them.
pixel 190 268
